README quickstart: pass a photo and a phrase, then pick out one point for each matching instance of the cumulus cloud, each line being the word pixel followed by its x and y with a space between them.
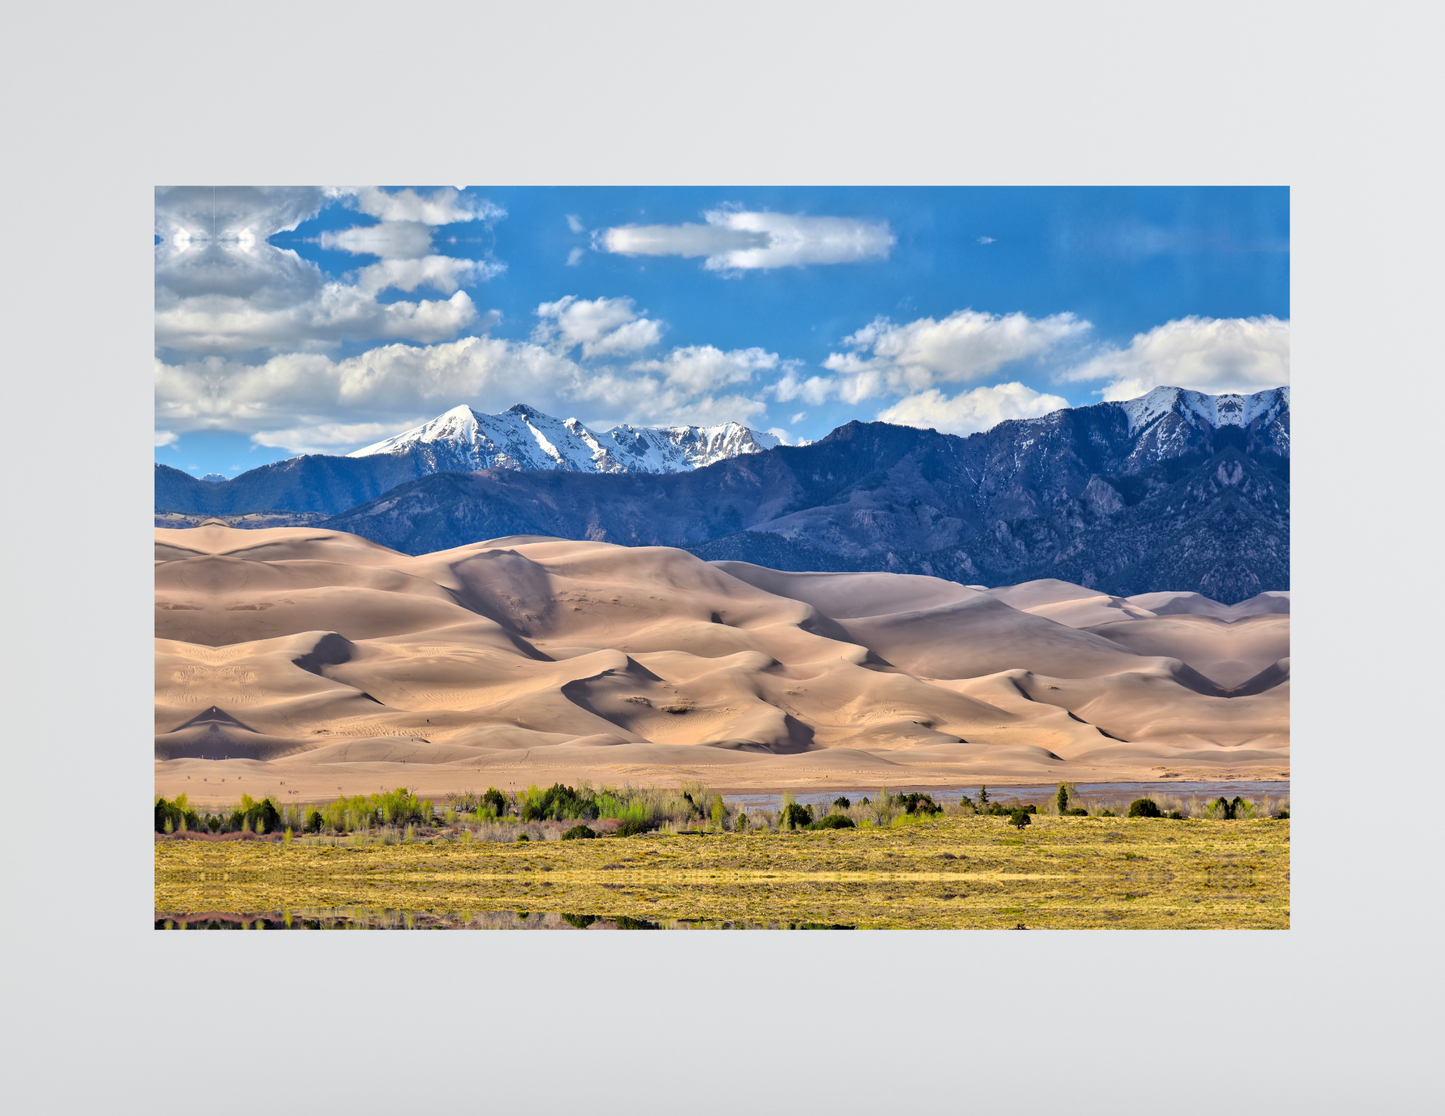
pixel 970 411
pixel 442 273
pixel 389 384
pixel 393 240
pixel 814 390
pixel 704 367
pixel 895 359
pixel 740 240
pixel 444 206
pixel 648 401
pixel 337 312
pixel 165 438
pixel 222 288
pixel 232 212
pixel 286 400
pixel 329 437
pixel 602 326
pixel 1203 354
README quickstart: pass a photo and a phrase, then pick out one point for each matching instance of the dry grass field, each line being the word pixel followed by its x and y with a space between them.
pixel 945 872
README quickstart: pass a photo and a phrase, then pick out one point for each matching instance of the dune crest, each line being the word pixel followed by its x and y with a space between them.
pixel 327 661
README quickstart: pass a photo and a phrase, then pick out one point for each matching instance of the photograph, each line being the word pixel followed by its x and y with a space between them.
pixel 737 557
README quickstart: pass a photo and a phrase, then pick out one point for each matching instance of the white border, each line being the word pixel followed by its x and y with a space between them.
pixel 102 103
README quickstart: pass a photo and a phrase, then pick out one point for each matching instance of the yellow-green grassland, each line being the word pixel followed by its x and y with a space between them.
pixel 940 872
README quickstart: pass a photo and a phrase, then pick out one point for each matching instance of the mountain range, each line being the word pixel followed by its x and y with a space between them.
pixel 1176 490
pixel 461 440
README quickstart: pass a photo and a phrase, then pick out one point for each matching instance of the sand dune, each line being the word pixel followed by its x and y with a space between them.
pixel 321 661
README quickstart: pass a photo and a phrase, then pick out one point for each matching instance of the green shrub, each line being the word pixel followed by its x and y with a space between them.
pixel 579 833
pixel 1106 814
pixel 999 810
pixel 983 796
pixel 496 801
pixel 1283 814
pixel 842 802
pixel 1174 815
pixel 1061 799
pixel 580 921
pixel 401 807
pixel 522 837
pixel 1144 808
pixel 1225 810
pixel 177 815
pixel 795 816
pixel 632 827
pixel 314 820
pixel 556 802
pixel 1019 818
pixel 264 816
pixel 1076 812
pixel 833 821
pixel 919 804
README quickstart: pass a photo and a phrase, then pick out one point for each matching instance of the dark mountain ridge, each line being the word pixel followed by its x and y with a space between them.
pixel 1174 491
pixel 312 483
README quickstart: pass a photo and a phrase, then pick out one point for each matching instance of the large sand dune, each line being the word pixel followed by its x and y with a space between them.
pixel 296 660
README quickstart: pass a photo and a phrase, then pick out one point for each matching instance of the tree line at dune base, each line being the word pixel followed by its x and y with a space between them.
pixel 562 812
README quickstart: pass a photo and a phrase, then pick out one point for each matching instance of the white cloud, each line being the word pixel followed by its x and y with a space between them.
pixel 704 367
pixel 336 312
pixel 970 411
pixel 328 437
pixel 298 400
pixel 602 326
pixel 799 417
pixel 646 401
pixel 966 345
pixel 442 273
pixel 393 240
pixel 444 206
pixel 575 223
pixel 390 384
pixel 739 240
pixel 987 240
pixel 574 257
pixel 814 390
pixel 1203 354
pixel 165 438
pixel 221 287
pixel 230 212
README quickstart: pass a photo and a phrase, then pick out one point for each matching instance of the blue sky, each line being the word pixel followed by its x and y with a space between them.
pixel 320 320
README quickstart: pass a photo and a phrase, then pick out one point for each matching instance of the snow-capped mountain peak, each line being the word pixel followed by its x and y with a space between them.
pixel 522 437
pixel 1164 420
pixel 1210 410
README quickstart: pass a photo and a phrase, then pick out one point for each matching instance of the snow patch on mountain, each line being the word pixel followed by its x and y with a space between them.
pixel 522 437
pixel 1211 410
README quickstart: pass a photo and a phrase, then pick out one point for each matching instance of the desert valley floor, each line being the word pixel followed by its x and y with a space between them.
pixel 306 661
